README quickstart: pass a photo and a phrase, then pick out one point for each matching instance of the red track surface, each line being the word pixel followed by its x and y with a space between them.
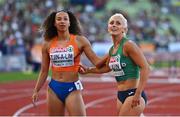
pixel 99 97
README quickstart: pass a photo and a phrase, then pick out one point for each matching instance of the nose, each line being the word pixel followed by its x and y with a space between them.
pixel 62 22
pixel 113 25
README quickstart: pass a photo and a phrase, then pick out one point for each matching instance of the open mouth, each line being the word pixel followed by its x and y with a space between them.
pixel 114 30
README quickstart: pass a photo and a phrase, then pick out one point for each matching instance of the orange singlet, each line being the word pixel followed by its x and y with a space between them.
pixel 63 58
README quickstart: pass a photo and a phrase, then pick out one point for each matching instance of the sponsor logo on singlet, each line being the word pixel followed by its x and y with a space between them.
pixel 62 57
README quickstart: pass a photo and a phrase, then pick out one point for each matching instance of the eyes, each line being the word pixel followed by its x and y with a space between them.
pixel 62 18
pixel 115 22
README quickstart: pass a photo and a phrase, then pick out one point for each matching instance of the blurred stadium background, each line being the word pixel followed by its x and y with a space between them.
pixel 153 25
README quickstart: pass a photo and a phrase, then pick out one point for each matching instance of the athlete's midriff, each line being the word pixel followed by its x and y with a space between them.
pixel 65 76
pixel 127 84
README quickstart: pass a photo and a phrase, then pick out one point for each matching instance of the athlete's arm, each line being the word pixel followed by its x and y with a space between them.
pixel 87 49
pixel 134 52
pixel 103 69
pixel 95 70
pixel 103 61
pixel 44 68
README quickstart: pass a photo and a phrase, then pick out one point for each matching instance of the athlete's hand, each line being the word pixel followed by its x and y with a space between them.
pixel 34 98
pixel 82 69
pixel 136 100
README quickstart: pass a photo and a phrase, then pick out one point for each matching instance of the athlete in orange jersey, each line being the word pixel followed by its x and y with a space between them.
pixel 62 58
pixel 63 47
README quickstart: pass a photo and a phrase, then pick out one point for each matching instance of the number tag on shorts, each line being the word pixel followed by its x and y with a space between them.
pixel 78 85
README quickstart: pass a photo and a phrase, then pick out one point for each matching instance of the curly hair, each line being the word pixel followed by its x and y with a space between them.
pixel 50 31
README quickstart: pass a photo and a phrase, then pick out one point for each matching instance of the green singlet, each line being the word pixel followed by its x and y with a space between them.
pixel 122 67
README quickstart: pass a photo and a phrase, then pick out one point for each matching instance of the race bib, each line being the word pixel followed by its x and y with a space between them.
pixel 115 65
pixel 118 73
pixel 62 57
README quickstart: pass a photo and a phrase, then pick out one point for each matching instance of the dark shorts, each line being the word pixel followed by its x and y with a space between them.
pixel 122 95
pixel 63 89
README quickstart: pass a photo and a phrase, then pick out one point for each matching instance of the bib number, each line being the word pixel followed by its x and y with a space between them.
pixel 118 73
pixel 115 65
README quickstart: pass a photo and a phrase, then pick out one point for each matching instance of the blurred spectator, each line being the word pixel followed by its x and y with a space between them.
pixel 21 19
pixel 28 57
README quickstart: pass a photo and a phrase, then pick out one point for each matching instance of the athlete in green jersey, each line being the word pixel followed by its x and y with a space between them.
pixel 129 67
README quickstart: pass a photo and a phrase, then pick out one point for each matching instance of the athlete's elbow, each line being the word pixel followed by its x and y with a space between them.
pixel 44 70
pixel 145 69
pixel 148 69
pixel 98 65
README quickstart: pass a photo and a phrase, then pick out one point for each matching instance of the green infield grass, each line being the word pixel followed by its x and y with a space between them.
pixel 17 76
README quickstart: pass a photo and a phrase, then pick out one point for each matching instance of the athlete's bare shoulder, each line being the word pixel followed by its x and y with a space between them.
pixel 46 44
pixel 129 43
pixel 81 38
pixel 82 41
pixel 130 46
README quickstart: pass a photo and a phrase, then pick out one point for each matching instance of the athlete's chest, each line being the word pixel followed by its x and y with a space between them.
pixel 115 64
pixel 62 56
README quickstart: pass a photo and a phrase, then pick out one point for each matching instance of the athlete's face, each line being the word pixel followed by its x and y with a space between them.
pixel 116 25
pixel 62 22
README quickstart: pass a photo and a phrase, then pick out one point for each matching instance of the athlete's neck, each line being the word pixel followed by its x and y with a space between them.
pixel 116 40
pixel 63 35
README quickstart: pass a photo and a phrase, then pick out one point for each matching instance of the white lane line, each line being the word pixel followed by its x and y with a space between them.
pixel 2 91
pixel 95 102
pixel 90 104
pixel 163 97
pixel 87 92
pixel 25 108
pixel 108 79
pixel 13 97
pixel 109 91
